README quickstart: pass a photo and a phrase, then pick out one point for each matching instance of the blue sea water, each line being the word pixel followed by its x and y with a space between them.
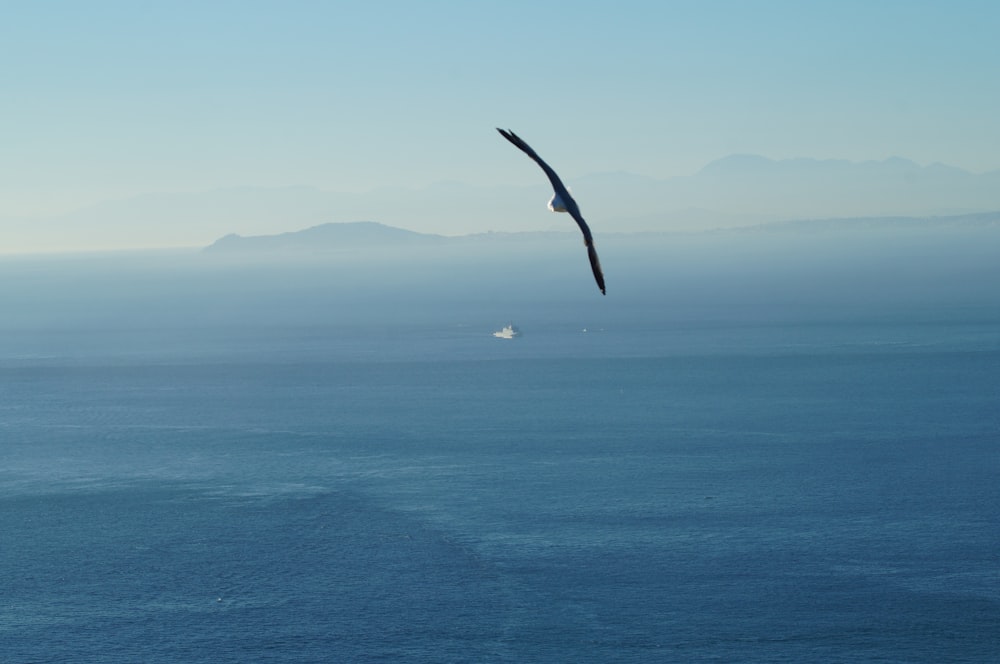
pixel 783 493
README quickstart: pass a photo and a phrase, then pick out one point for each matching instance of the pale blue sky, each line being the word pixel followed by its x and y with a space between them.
pixel 110 99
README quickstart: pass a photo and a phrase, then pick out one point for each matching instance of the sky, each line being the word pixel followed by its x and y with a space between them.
pixel 106 100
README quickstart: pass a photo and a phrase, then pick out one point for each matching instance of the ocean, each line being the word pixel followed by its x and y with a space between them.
pixel 814 491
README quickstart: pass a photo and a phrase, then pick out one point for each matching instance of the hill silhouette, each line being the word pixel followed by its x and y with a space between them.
pixel 326 237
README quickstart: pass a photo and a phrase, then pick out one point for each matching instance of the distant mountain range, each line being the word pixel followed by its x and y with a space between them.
pixel 737 191
pixel 365 237
pixel 362 235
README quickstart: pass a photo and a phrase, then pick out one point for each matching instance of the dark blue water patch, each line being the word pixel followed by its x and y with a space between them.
pixel 164 573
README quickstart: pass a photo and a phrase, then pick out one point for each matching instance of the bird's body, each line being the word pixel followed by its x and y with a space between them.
pixel 556 204
pixel 562 201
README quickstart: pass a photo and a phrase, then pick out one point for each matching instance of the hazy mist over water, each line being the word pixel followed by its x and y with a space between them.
pixel 765 445
pixel 766 273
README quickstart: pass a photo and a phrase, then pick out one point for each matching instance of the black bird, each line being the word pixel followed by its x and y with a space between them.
pixel 562 202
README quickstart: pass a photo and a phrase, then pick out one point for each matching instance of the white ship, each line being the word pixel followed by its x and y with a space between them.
pixel 508 332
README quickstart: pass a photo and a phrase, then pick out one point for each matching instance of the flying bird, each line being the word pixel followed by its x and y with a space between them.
pixel 562 202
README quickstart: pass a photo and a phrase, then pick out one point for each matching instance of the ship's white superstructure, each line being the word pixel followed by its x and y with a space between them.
pixel 508 332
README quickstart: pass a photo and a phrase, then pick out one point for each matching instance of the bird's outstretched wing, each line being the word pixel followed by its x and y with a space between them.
pixel 566 198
